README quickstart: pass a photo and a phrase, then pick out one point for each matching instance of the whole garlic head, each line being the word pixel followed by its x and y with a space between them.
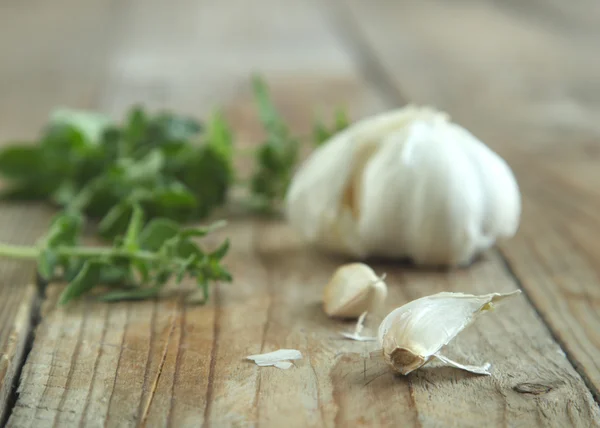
pixel 405 184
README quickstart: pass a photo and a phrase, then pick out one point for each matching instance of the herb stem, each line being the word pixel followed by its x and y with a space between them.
pixel 27 252
pixel 18 251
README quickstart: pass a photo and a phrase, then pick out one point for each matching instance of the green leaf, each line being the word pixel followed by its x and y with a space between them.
pixel 134 294
pixel 277 157
pixel 87 278
pixel 64 230
pixel 267 111
pixel 63 143
pixel 143 269
pixel 114 275
pixel 173 201
pixel 137 122
pixel 186 248
pixel 47 264
pixel 341 119
pixel 201 231
pixel 220 252
pixel 71 267
pixel 162 277
pixel 220 136
pixel 320 131
pixel 90 124
pixel 157 232
pixel 134 229
pixel 65 193
pixel 20 161
pixel 144 169
pixel 208 176
pixel 177 128
pixel 183 269
pixel 115 221
pixel 194 232
pixel 203 284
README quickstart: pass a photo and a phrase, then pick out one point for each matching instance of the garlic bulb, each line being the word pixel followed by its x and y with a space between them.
pixel 353 289
pixel 412 334
pixel 405 184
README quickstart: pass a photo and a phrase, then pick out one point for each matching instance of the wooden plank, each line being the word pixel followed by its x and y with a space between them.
pixel 19 224
pixel 165 363
pixel 513 80
pixel 557 257
pixel 533 96
pixel 38 74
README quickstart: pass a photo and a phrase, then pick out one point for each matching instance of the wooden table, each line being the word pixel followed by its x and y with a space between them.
pixel 524 76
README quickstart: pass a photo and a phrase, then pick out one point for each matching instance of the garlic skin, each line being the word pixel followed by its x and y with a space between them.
pixel 280 358
pixel 353 289
pixel 405 184
pixel 412 334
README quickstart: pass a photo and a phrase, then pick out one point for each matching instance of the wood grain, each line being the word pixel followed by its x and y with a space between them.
pixel 524 83
pixel 46 68
pixel 21 224
pixel 556 257
pixel 166 363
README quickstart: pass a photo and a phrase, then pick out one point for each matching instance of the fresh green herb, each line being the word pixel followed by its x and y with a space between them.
pixel 138 265
pixel 321 133
pixel 141 180
pixel 163 162
pixel 276 157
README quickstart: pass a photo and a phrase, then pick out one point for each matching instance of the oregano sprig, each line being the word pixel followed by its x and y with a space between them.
pixel 138 265
pixel 142 181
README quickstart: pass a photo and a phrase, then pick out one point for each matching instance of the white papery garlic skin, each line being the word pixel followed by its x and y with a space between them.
pixel 405 184
pixel 353 289
pixel 412 334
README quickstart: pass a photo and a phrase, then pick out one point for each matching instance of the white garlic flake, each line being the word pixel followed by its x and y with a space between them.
pixel 411 335
pixel 279 358
pixel 353 289
pixel 405 184
pixel 356 334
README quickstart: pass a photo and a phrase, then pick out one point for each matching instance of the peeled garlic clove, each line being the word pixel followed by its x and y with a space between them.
pixel 353 289
pixel 405 184
pixel 412 334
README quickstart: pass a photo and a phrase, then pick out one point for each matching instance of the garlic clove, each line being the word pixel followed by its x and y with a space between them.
pixel 401 359
pixel 353 289
pixel 412 334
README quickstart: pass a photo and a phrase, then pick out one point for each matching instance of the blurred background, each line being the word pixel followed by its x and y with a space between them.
pixel 516 72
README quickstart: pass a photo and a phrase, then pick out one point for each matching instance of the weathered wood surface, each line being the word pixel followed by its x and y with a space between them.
pixel 18 294
pixel 169 364
pixel 166 363
pixel 39 70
